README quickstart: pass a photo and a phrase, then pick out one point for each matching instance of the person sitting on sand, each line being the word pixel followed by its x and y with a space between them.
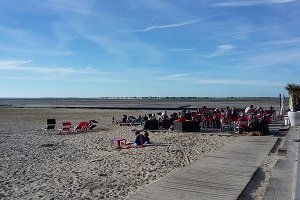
pixel 139 139
pixel 147 139
pixel 124 119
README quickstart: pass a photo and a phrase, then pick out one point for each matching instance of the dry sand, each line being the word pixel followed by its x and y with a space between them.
pixel 36 164
pixel 257 186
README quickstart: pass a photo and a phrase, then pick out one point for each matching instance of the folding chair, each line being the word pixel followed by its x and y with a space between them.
pixel 225 124
pixel 51 123
pixel 92 124
pixel 240 127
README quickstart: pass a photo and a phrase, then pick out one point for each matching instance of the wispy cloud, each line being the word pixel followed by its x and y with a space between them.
pixel 276 60
pixel 175 77
pixel 175 25
pixel 245 31
pixel 283 42
pixel 77 7
pixel 22 66
pixel 214 54
pixel 12 64
pixel 36 51
pixel 222 50
pixel 251 3
pixel 78 79
pixel 113 40
pixel 29 41
pixel 254 82
pixel 22 36
pixel 181 50
pixel 67 74
pixel 192 78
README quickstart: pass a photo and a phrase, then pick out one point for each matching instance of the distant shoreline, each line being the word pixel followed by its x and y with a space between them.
pixel 138 98
pixel 99 108
pixel 138 104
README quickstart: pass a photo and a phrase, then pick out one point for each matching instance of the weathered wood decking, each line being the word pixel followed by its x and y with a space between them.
pixel 222 174
pixel 286 172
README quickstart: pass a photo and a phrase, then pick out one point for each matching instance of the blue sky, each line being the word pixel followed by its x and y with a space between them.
pixel 95 48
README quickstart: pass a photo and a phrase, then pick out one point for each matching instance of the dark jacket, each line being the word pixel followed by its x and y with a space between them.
pixel 140 139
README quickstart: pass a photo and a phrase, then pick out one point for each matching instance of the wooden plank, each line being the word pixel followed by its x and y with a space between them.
pixel 222 174
pixel 166 194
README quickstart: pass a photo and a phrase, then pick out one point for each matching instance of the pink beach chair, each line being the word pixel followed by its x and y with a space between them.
pixel 118 143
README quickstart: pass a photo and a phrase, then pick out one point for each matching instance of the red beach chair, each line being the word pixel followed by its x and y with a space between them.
pixel 66 127
pixel 81 127
pixel 241 125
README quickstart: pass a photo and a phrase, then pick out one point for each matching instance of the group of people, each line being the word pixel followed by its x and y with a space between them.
pixel 206 118
pixel 250 118
pixel 246 119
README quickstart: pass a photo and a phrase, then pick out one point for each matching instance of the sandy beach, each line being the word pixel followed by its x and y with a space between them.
pixel 37 164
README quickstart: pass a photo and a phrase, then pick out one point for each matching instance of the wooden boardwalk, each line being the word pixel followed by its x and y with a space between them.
pixel 222 174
